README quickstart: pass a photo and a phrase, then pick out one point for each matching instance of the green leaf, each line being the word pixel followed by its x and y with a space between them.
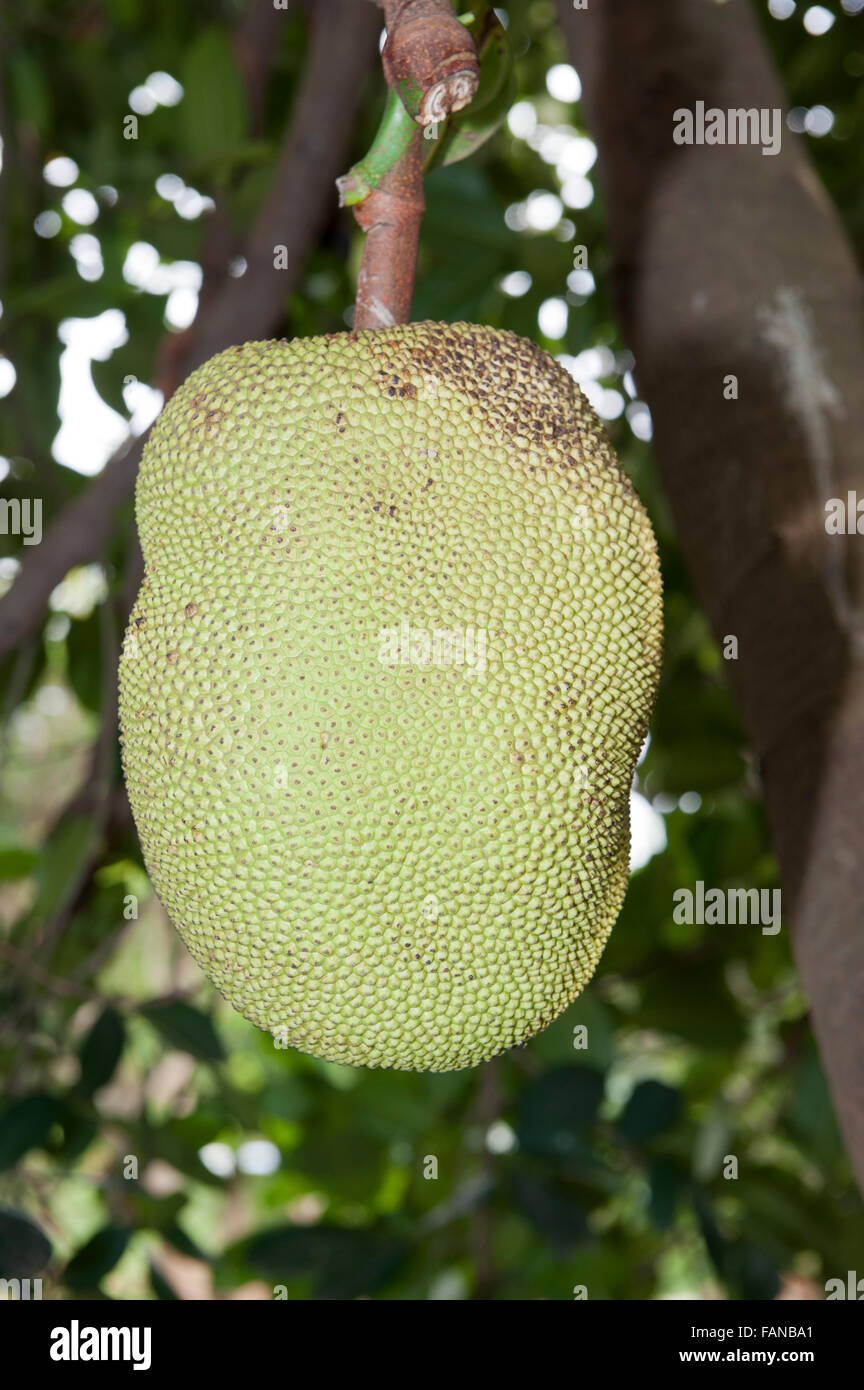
pixel 214 106
pixel 84 660
pixel 24 1248
pixel 810 1109
pixel 30 91
pixel 63 857
pixel 454 195
pixel 753 1273
pixel 24 1125
pixel 558 1110
pixel 161 1287
pixel 79 1129
pixel 353 1171
pixel 102 1050
pixel 556 1215
pixel 156 1213
pixel 666 1186
pixel 466 243
pixel 690 999
pixel 97 1258
pixel 746 1271
pixel 341 1263
pixel 180 1241
pixel 187 1029
pixel 471 127
pixel 17 863
pixel 178 1147
pixel 652 1107
pixel 588 1013
pixel 286 1099
pixel 395 1105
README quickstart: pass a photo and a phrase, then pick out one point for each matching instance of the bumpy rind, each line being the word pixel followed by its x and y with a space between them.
pixel 387 850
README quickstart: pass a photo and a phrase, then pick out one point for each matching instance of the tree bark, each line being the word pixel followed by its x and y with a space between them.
pixel 727 261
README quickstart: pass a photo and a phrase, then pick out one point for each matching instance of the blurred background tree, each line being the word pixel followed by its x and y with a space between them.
pixel 167 189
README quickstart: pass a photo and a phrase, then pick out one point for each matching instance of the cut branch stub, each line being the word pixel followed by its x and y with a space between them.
pixel 429 59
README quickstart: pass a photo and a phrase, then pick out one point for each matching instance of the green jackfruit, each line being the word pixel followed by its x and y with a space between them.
pixel 385 684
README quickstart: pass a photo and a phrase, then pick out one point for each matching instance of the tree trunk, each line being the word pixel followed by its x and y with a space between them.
pixel 727 261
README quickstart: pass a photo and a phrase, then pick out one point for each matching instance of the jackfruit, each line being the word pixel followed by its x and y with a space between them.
pixel 385 684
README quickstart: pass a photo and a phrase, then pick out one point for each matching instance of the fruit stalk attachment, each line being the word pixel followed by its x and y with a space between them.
pixel 435 65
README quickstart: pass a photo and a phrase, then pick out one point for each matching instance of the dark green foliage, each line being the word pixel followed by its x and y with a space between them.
pixel 24 1125
pixel 93 1261
pixel 187 1028
pixel 101 1050
pixel 557 1110
pixel 24 1249
pixel 338 1263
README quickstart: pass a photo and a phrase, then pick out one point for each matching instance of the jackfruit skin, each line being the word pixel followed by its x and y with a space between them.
pixel 389 862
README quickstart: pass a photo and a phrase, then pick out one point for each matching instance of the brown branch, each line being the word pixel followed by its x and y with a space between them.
pixel 301 196
pixel 80 533
pixel 255 45
pixel 341 53
pixel 431 63
pixel 391 218
pixel 256 42
pixel 24 965
pixel 728 261
pixel 72 989
pixel 94 797
pixel 6 146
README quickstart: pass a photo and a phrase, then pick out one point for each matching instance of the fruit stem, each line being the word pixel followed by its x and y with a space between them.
pixel 431 65
pixel 390 216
